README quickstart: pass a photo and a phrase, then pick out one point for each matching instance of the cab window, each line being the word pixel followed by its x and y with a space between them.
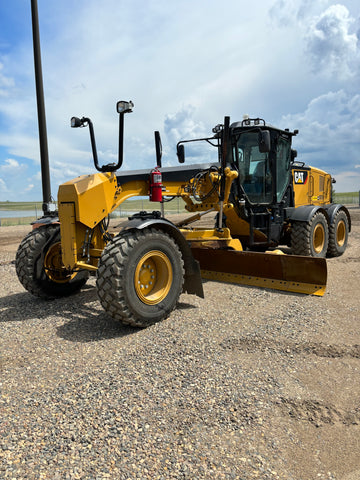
pixel 254 169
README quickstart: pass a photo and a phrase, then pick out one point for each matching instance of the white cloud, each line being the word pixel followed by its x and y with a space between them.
pixel 331 46
pixel 11 163
pixel 10 167
pixel 30 187
pixel 6 83
pixel 348 181
pixel 329 37
pixel 285 13
pixel 3 187
pixel 12 174
pixel 329 135
pixel 182 125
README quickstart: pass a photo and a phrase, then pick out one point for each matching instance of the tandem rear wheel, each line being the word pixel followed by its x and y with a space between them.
pixel 316 238
pixel 140 277
pixel 338 234
pixel 310 238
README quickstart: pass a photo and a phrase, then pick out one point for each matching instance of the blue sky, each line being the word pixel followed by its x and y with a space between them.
pixel 185 64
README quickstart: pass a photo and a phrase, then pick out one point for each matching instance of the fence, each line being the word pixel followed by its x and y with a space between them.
pixel 16 213
pixel 347 198
pixel 22 213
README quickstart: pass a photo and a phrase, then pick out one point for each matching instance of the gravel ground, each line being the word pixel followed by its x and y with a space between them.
pixel 243 384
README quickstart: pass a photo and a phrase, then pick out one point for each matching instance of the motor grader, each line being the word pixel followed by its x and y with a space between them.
pixel 253 186
pixel 261 197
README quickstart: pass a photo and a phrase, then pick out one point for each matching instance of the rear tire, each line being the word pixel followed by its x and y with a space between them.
pixel 140 277
pixel 310 238
pixel 39 265
pixel 338 234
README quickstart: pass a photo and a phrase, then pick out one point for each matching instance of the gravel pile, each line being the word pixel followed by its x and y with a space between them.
pixel 221 389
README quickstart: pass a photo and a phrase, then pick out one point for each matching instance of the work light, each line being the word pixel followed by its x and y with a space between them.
pixel 124 107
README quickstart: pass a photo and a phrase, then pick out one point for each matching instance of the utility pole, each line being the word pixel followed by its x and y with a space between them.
pixel 44 155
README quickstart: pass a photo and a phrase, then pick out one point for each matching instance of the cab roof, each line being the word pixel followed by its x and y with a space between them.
pixel 250 123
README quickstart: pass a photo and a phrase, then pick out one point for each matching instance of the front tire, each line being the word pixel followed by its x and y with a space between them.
pixel 39 265
pixel 140 277
pixel 338 234
pixel 310 238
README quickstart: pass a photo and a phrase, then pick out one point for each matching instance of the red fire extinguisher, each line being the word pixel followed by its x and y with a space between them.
pixel 155 185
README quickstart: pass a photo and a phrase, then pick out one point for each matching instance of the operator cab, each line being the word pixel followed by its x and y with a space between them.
pixel 263 166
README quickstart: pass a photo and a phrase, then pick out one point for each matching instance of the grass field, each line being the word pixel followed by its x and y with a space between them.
pixel 131 206
pixel 347 198
pixel 20 206
pixel 127 208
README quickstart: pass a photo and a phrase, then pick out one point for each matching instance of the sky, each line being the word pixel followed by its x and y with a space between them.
pixel 185 65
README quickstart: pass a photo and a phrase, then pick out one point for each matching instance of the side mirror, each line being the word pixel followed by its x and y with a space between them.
pixel 264 141
pixel 180 152
pixel 293 154
pixel 158 149
pixel 75 122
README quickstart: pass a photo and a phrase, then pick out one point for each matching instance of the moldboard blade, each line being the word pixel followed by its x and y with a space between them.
pixel 280 272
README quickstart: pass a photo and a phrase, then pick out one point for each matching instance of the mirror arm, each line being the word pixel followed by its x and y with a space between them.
pixel 93 143
pixel 121 141
pixel 122 108
pixel 111 167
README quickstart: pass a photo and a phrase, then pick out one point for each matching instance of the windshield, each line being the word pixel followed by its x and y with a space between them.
pixel 254 169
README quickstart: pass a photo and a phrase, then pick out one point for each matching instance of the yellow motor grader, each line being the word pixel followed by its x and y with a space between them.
pixel 262 198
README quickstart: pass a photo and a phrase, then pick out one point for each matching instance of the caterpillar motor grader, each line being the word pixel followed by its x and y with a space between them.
pixel 254 186
pixel 262 198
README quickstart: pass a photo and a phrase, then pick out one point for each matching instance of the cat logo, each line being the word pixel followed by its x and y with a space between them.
pixel 300 178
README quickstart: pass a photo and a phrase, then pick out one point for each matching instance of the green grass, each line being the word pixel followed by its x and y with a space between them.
pixel 347 197
pixel 175 206
pixel 129 205
pixel 9 222
pixel 126 208
pixel 21 206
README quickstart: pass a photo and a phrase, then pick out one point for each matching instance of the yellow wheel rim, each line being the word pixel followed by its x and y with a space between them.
pixel 319 238
pixel 54 267
pixel 341 233
pixel 153 277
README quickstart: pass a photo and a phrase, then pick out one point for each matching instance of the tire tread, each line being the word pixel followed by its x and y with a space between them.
pixel 111 276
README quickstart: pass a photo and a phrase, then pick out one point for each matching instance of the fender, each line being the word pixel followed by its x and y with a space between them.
pixel 305 212
pixel 43 221
pixel 192 279
pixel 333 209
